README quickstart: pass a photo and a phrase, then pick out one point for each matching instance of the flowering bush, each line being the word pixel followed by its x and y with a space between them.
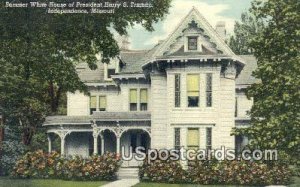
pixel 162 171
pixel 239 172
pixel 94 168
pixel 39 164
pixel 216 172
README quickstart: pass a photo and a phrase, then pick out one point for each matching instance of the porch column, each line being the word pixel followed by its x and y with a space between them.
pixel 62 145
pixel 95 143
pixel 102 144
pixel 49 143
pixel 62 135
pixel 118 144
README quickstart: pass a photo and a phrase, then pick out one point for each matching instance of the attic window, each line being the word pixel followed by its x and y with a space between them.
pixel 192 43
pixel 111 68
pixel 110 72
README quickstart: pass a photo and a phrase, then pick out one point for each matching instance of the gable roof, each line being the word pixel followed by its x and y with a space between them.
pixel 195 16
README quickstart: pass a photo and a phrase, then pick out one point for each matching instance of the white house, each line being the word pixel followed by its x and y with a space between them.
pixel 187 91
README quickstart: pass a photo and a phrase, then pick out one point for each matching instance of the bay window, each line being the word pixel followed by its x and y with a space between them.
pixel 93 104
pixel 209 90
pixel 193 138
pixel 193 90
pixel 208 138
pixel 177 90
pixel 143 99
pixel 133 100
pixel 102 103
pixel 177 138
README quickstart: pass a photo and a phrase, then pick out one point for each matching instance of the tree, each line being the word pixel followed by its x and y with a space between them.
pixel 244 32
pixel 22 101
pixel 39 52
pixel 275 115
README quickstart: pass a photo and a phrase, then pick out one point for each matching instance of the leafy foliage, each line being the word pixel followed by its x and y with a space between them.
pixel 275 115
pixel 162 171
pixel 40 164
pixel 244 32
pixel 39 52
pixel 216 172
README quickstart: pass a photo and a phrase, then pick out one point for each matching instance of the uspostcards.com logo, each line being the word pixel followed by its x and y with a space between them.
pixel 140 154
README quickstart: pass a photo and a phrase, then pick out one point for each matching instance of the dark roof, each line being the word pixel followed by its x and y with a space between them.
pixel 88 75
pixel 134 61
pixel 245 77
pixel 98 116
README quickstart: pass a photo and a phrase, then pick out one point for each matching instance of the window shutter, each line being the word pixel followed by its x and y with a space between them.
pixel 193 137
pixel 102 102
pixel 144 96
pixel 133 96
pixel 93 102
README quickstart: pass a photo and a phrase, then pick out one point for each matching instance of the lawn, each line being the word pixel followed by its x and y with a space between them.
pixel 6 182
pixel 296 183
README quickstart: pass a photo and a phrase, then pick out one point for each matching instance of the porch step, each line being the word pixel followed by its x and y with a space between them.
pixel 128 173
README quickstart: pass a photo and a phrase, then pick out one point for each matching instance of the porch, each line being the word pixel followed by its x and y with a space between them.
pixel 99 133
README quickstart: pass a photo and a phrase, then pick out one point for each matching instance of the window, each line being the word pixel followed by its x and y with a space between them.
pixel 177 138
pixel 110 72
pixel 111 68
pixel 193 138
pixel 143 99
pixel 192 43
pixel 102 103
pixel 209 90
pixel 208 138
pixel 133 99
pixel 236 107
pixel 193 90
pixel 93 104
pixel 177 90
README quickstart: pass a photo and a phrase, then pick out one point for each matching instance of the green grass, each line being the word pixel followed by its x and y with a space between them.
pixel 296 183
pixel 6 182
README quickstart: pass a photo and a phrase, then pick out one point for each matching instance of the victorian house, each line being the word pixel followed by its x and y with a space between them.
pixel 187 91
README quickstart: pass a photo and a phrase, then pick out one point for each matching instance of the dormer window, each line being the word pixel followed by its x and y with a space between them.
pixel 110 69
pixel 192 43
pixel 110 72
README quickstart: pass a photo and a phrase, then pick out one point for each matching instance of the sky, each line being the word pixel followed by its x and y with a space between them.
pixel 213 10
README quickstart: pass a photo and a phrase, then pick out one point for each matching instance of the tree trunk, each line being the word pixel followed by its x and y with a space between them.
pixel 52 96
pixel 27 136
pixel 57 99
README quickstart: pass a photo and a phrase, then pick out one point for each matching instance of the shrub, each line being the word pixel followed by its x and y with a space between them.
pixel 93 168
pixel 11 150
pixel 39 164
pixel 162 171
pixel 216 172
pixel 239 172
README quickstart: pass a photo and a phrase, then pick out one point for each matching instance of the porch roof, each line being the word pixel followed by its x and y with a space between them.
pixel 97 116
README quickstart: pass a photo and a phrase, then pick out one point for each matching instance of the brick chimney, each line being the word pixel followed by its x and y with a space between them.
pixel 221 30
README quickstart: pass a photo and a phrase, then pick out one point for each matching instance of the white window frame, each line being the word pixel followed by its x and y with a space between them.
pixel 186 43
